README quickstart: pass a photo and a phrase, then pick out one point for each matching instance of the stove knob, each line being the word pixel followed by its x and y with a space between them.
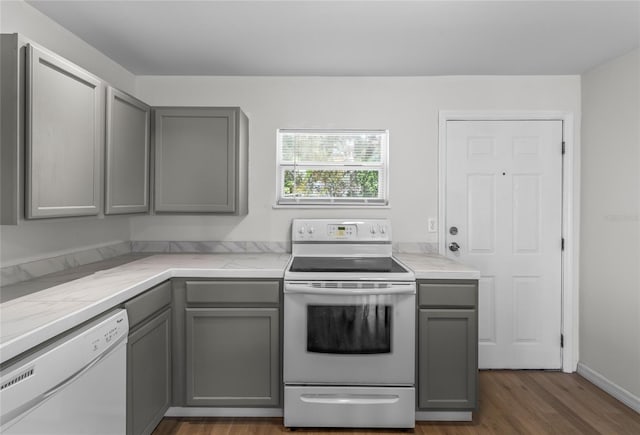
pixel 301 230
pixel 373 230
pixel 310 230
pixel 382 229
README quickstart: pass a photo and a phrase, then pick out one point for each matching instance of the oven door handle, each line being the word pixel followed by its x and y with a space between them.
pixel 408 288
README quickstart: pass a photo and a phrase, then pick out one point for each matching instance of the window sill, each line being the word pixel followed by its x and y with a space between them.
pixel 332 206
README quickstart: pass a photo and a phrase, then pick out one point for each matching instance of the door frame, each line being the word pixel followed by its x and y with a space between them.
pixel 570 210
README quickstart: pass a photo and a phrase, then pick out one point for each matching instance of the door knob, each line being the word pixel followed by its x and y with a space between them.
pixel 453 246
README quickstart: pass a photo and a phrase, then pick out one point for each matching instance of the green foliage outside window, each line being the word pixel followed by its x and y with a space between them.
pixel 331 183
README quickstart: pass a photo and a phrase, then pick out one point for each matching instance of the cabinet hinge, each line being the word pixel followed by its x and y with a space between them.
pixel 561 341
pixel 562 244
pixel 563 148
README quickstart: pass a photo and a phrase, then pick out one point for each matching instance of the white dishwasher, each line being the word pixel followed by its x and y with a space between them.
pixel 75 385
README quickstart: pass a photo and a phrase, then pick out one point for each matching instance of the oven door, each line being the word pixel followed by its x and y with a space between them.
pixel 344 336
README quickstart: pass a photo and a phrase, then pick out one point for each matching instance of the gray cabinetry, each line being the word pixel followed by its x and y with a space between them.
pixel 127 154
pixel 200 160
pixel 232 356
pixel 63 137
pixel 447 345
pixel 12 129
pixel 149 367
pixel 232 351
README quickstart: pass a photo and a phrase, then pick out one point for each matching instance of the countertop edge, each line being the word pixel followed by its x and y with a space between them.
pixel 447 275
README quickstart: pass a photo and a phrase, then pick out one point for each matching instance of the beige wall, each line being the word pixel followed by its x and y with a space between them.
pixel 407 106
pixel 610 223
pixel 38 239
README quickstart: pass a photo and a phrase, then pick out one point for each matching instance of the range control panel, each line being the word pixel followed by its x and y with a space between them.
pixel 334 230
pixel 345 231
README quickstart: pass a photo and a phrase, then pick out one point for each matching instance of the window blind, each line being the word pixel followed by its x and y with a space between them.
pixel 332 167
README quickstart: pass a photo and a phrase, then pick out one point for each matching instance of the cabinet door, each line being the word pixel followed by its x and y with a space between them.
pixel 149 374
pixel 63 138
pixel 195 160
pixel 11 129
pixel 233 357
pixel 447 359
pixel 127 154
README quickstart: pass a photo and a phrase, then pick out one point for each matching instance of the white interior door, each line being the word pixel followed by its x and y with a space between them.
pixel 504 197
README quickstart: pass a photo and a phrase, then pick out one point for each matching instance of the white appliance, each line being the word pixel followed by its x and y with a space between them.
pixel 349 327
pixel 75 385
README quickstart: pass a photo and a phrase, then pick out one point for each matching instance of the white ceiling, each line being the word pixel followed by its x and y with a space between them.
pixel 346 38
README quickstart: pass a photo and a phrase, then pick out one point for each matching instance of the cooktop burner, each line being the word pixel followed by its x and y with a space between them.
pixel 346 264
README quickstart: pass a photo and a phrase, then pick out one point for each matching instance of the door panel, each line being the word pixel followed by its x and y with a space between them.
pixel 487 306
pixel 526 213
pixel 504 194
pixel 481 215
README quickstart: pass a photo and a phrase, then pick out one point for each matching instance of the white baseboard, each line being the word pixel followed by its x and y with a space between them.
pixel 605 384
pixel 444 416
pixel 178 411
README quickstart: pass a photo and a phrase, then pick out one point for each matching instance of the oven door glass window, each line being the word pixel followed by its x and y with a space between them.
pixel 349 329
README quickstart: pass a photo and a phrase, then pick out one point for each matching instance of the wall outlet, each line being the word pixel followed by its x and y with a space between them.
pixel 432 225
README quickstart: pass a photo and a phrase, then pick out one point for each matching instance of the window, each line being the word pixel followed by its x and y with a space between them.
pixel 332 167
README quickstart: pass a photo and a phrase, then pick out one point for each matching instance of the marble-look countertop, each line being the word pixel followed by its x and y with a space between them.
pixel 435 266
pixel 54 304
pixel 30 320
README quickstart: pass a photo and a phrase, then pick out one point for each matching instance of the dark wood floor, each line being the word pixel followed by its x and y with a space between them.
pixel 511 402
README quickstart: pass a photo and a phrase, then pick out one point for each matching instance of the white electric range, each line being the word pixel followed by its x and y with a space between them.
pixel 349 327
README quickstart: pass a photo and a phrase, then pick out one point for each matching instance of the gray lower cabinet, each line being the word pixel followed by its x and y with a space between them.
pixel 149 359
pixel 232 351
pixel 63 137
pixel 201 160
pixel 232 356
pixel 127 154
pixel 447 367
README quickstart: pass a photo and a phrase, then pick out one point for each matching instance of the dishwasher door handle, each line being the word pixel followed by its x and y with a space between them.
pixel 83 370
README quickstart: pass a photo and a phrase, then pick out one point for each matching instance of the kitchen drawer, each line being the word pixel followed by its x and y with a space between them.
pixel 233 292
pixel 149 302
pixel 447 293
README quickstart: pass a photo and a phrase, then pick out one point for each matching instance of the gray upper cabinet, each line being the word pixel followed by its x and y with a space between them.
pixel 63 138
pixel 201 160
pixel 127 154
pixel 12 129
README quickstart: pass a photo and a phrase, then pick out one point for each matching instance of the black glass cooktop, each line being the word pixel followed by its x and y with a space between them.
pixel 346 264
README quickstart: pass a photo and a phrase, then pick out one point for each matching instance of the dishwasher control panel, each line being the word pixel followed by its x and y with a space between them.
pixel 108 333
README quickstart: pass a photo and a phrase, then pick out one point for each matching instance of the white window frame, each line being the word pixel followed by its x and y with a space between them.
pixel 383 168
